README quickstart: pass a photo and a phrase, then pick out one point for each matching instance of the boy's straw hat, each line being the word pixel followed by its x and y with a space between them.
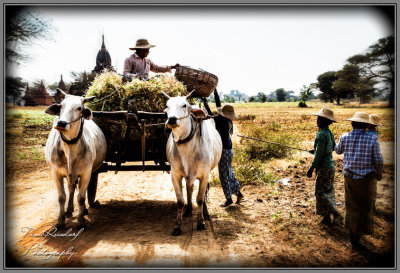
pixel 374 119
pixel 227 111
pixel 142 43
pixel 326 113
pixel 360 117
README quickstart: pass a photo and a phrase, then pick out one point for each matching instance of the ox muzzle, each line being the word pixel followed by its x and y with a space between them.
pixel 61 125
pixel 172 122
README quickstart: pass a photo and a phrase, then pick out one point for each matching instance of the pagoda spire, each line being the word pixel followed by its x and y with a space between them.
pixel 61 84
pixel 103 45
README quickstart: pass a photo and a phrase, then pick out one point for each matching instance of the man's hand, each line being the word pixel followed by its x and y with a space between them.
pixel 309 173
pixel 175 66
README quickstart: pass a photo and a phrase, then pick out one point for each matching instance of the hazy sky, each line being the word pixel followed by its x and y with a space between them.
pixel 250 49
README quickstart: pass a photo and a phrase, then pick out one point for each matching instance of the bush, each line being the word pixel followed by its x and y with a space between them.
pixel 247 172
pixel 250 172
pixel 246 117
pixel 264 151
pixel 302 104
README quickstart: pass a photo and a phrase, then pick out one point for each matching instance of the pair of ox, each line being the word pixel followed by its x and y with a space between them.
pixel 76 147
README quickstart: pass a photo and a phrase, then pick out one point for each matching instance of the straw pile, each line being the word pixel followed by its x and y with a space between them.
pixel 113 95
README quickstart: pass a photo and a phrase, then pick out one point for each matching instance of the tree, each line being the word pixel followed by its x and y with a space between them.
pixel 378 63
pixel 261 97
pixel 281 94
pixel 14 88
pixel 82 81
pixel 24 26
pixel 271 97
pixel 305 93
pixel 365 90
pixel 252 99
pixel 324 84
pixel 346 83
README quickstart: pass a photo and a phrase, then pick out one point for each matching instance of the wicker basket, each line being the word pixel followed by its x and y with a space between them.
pixel 203 82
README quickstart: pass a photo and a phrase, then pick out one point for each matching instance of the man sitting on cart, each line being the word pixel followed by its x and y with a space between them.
pixel 138 65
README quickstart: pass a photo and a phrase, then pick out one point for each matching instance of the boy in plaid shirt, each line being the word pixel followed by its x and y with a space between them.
pixel 362 167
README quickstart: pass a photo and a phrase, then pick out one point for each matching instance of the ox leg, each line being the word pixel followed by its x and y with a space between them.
pixel 83 184
pixel 177 183
pixel 206 215
pixel 61 200
pixel 91 191
pixel 189 192
pixel 200 202
pixel 70 208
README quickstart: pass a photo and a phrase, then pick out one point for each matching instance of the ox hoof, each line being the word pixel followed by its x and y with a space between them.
pixel 188 213
pixel 95 205
pixel 201 226
pixel 82 225
pixel 85 212
pixel 207 217
pixel 60 225
pixel 177 232
pixel 68 214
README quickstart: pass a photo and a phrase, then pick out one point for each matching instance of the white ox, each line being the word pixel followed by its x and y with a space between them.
pixel 193 149
pixel 76 147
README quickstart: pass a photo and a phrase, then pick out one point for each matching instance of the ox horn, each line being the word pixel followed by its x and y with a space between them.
pixel 190 94
pixel 88 99
pixel 168 97
pixel 61 92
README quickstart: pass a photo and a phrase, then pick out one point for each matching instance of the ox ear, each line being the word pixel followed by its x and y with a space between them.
pixel 87 113
pixel 61 92
pixel 53 109
pixel 88 99
pixel 198 113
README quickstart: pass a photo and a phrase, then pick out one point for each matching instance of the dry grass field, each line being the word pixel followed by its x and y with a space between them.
pixel 275 227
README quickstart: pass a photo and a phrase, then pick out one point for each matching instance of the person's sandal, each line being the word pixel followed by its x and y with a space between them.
pixel 326 221
pixel 227 203
pixel 338 220
pixel 239 198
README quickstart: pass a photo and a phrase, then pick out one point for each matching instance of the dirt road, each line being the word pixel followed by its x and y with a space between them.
pixel 275 227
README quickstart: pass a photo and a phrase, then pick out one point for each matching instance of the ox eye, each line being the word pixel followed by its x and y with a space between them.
pixel 184 106
pixel 79 108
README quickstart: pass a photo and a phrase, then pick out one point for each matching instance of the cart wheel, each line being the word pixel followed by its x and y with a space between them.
pixel 91 191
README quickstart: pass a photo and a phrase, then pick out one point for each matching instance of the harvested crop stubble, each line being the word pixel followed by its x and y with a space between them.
pixel 113 95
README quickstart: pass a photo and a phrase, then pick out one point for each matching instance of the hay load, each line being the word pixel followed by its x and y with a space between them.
pixel 112 94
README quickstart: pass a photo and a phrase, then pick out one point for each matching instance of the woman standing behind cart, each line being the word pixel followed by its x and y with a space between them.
pixel 224 125
pixel 325 168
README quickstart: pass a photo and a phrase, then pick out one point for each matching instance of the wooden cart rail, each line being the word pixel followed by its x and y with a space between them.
pixel 139 121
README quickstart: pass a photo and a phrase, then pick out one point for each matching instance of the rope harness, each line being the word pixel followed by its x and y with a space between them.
pixel 193 128
pixel 74 140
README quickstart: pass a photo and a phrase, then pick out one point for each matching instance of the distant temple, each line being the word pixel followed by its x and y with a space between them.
pixel 103 59
pixel 41 97
pixel 28 99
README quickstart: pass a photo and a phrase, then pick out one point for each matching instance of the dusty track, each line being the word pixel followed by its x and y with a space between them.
pixel 276 227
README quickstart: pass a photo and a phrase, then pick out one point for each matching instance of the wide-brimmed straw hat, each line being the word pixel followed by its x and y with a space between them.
pixel 326 113
pixel 374 119
pixel 227 111
pixel 142 44
pixel 360 117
